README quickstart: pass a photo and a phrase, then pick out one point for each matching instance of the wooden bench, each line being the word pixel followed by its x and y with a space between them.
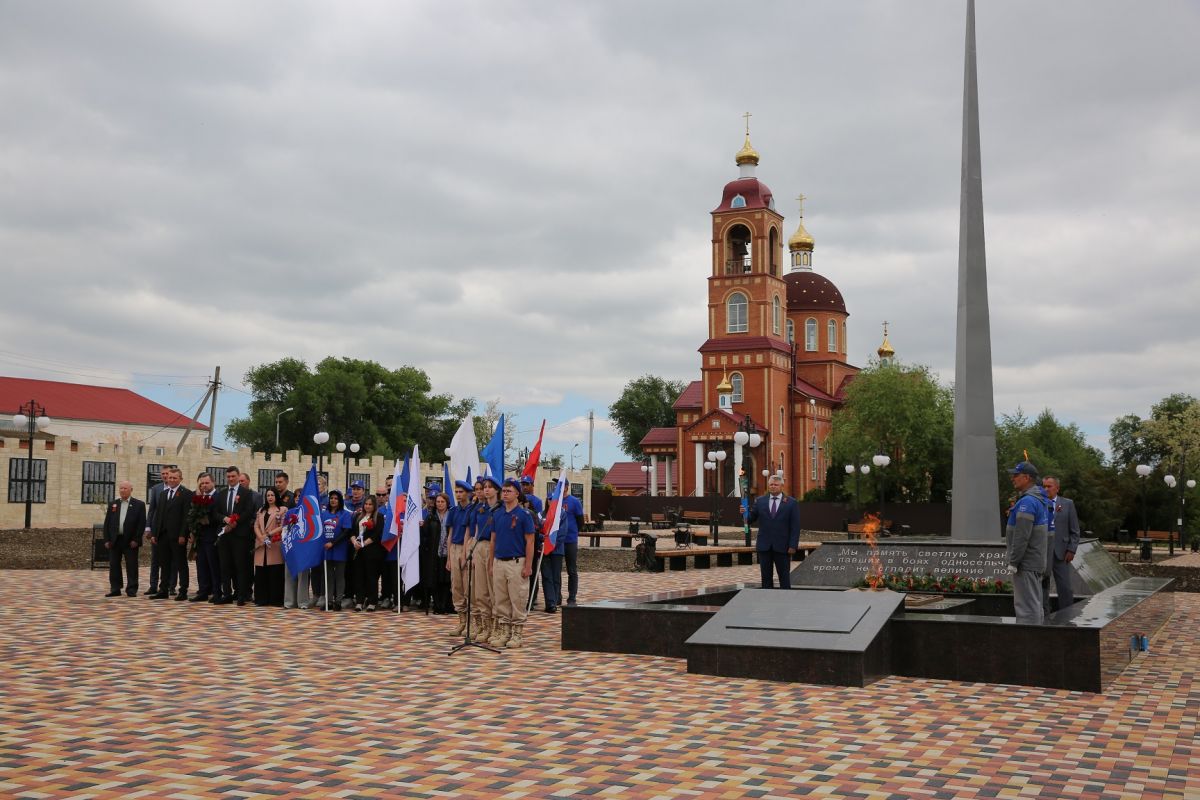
pixel 676 560
pixel 590 524
pixel 1120 551
pixel 854 530
pixel 658 521
pixel 1156 536
pixel 594 537
pixel 696 517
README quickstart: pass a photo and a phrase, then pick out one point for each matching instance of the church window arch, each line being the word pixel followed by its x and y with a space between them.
pixel 737 313
pixel 781 419
pixel 773 257
pixel 810 335
pixel 844 338
pixel 833 335
pixel 735 380
pixel 737 250
pixel 776 314
pixel 791 331
pixel 737 202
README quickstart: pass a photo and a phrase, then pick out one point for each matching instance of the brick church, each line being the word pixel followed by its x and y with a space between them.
pixel 773 366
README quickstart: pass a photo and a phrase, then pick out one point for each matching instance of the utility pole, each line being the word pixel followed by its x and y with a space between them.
pixel 212 408
pixel 211 394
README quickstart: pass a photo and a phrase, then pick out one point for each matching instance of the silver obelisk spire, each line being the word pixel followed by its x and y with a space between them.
pixel 975 515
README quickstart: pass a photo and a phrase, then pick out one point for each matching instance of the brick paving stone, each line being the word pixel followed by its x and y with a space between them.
pixel 133 698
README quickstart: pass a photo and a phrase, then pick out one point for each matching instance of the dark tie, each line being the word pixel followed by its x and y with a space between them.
pixel 232 497
pixel 170 494
pixel 774 505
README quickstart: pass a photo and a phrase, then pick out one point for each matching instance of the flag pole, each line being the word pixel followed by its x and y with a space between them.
pixel 399 584
pixel 325 568
pixel 537 574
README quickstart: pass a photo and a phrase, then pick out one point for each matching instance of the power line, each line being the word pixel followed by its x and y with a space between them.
pixel 179 416
pixel 92 367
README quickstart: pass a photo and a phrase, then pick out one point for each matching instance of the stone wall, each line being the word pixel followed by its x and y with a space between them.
pixel 65 457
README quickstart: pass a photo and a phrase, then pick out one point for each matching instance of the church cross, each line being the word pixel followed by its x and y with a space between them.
pixel 747 116
pixel 801 200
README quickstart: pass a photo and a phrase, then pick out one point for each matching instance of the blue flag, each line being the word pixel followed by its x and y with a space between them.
pixel 303 542
pixel 447 486
pixel 404 475
pixel 493 454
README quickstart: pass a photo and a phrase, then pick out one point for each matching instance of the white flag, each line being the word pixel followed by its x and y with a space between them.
pixel 464 454
pixel 410 543
pixel 394 503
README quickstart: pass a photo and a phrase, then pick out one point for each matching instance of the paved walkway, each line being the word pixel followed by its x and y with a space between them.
pixel 132 698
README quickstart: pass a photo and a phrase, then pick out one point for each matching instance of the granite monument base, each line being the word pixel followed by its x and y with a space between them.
pixel 838 639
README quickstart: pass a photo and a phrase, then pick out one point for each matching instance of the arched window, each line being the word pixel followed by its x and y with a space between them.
pixel 791 331
pixel 832 327
pixel 773 257
pixel 781 419
pixel 844 338
pixel 776 314
pixel 737 202
pixel 735 380
pixel 810 335
pixel 737 250
pixel 737 313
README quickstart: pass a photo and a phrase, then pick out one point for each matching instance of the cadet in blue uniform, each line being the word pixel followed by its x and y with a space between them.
pixel 1025 538
pixel 512 564
pixel 533 504
pixel 336 522
pixel 458 519
pixel 482 626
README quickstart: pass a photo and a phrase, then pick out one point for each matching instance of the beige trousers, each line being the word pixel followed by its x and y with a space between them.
pixel 458 576
pixel 510 591
pixel 481 586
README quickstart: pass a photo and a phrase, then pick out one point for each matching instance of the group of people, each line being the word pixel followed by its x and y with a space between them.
pixel 478 551
pixel 1041 536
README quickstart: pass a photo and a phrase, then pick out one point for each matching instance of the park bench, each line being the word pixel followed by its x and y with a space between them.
pixel 590 524
pixel 854 530
pixel 1120 551
pixel 1148 538
pixel 659 521
pixel 676 560
pixel 625 536
pixel 696 517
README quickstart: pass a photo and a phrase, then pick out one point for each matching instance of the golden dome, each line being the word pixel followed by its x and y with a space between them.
pixel 724 387
pixel 747 155
pixel 801 239
pixel 885 350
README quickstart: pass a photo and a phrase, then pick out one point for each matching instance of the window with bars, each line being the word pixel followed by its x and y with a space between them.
pixel 21 481
pixel 154 476
pixel 218 476
pixel 266 479
pixel 99 481
pixel 365 477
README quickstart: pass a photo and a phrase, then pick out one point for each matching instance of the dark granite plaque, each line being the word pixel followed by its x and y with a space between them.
pixel 1095 568
pixel 846 563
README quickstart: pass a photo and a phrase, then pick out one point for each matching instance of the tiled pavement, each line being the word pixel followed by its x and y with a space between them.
pixel 132 698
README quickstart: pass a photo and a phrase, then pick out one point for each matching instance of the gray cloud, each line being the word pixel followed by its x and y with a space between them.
pixel 419 183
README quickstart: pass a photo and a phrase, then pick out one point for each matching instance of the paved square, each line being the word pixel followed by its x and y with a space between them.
pixel 130 698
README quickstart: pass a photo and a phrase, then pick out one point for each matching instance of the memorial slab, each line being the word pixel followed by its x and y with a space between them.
pixel 846 563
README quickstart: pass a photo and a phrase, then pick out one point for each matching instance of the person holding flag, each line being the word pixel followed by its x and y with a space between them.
pixel 393 502
pixel 568 536
pixel 512 564
pixel 368 553
pixel 337 524
pixel 303 539
pixel 553 547
pixel 409 556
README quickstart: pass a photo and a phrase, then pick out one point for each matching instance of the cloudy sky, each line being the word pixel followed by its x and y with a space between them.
pixel 452 184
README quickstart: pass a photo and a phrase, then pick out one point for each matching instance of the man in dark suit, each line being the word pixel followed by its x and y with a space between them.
pixel 169 532
pixel 152 497
pixel 124 524
pixel 778 518
pixel 235 545
pixel 207 524
pixel 1062 551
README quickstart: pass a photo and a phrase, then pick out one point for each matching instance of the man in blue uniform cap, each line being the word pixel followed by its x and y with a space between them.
pixel 1026 541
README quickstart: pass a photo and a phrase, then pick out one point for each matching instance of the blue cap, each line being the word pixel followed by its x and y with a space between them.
pixel 466 487
pixel 489 479
pixel 357 485
pixel 1024 468
pixel 514 483
pixel 527 479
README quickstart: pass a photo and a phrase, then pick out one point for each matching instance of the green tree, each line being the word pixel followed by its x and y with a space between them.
pixel 902 411
pixel 1061 450
pixel 485 426
pixel 644 403
pixel 598 474
pixel 386 411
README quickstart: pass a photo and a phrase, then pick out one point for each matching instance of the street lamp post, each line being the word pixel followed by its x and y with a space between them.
pixel 882 460
pixel 277 418
pixel 646 472
pixel 1170 481
pixel 1143 471
pixel 343 448
pixel 746 436
pixel 1191 484
pixel 32 417
pixel 710 468
pixel 319 439
pixel 573 456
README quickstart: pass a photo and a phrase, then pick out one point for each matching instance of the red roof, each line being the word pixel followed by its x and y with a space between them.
pixel 659 436
pixel 691 397
pixel 738 342
pixel 628 475
pixel 89 403
pixel 808 390
pixel 752 190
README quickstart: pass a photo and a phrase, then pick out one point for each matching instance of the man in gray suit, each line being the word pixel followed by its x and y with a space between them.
pixel 1062 552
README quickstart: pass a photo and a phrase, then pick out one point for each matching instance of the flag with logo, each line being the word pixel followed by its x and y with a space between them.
pixel 303 541
pixel 463 452
pixel 391 533
pixel 410 539
pixel 493 453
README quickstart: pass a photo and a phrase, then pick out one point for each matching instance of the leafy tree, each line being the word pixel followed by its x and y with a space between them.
pixel 386 411
pixel 485 427
pixel 598 474
pixel 644 403
pixel 1062 451
pixel 552 461
pixel 902 411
